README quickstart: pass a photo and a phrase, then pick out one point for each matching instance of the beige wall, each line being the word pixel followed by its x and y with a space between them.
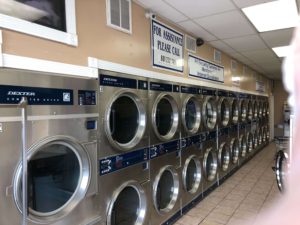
pixel 280 97
pixel 102 42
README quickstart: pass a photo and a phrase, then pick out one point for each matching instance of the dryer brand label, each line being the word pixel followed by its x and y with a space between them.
pixel 233 95
pixel 35 95
pixel 208 92
pixel 162 149
pixel 223 93
pixel 190 90
pixel 112 81
pixel 154 86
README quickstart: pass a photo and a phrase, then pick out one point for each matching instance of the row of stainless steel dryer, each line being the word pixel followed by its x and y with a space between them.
pixel 178 142
pixel 120 150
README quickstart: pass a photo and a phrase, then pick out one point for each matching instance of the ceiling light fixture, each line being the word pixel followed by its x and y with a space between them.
pixel 282 51
pixel 274 15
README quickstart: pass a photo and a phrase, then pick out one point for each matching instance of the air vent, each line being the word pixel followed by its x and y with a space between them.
pixel 233 65
pixel 217 56
pixel 190 44
pixel 119 14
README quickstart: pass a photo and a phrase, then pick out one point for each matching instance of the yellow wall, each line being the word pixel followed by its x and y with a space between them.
pixel 98 40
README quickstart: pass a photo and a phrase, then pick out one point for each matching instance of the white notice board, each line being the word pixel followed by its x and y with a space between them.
pixel 205 70
pixel 167 47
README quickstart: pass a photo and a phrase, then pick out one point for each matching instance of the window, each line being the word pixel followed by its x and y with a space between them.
pixel 50 19
pixel 118 13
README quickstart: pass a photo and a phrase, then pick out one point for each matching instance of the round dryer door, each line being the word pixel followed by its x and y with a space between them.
pixel 192 174
pixel 264 135
pixel 250 142
pixel 235 111
pixel 255 110
pixel 58 178
pixel 223 112
pixel 255 140
pixel 260 109
pixel 210 164
pixel 209 112
pixel 224 157
pixel 243 145
pixel 250 111
pixel 128 205
pixel 165 117
pixel 281 168
pixel 243 110
pixel 264 109
pixel 125 120
pixel 165 190
pixel 260 136
pixel 191 115
pixel 235 151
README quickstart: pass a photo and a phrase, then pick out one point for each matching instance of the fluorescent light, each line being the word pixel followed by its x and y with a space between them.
pixel 273 15
pixel 282 51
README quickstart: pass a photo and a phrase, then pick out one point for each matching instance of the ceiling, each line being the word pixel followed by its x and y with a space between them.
pixel 222 24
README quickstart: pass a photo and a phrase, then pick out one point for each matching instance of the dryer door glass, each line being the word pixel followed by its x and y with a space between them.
pixel 126 208
pixel 224 157
pixel 235 151
pixel 224 117
pixel 210 113
pixel 235 111
pixel 164 116
pixel 250 142
pixel 210 165
pixel 243 110
pixel 192 174
pixel 243 146
pixel 190 114
pixel 124 119
pixel 250 111
pixel 58 178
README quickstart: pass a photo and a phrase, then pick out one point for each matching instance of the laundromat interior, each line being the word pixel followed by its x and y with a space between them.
pixel 145 112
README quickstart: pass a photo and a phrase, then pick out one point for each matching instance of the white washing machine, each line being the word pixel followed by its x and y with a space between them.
pixel 125 191
pixel 123 113
pixel 59 140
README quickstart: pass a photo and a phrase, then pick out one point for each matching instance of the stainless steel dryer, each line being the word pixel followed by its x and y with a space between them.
pixel 243 107
pixel 234 145
pixel 210 161
pixel 191 101
pixel 125 194
pixel 224 164
pixel 191 172
pixel 223 109
pixel 55 182
pixel 255 140
pixel 260 137
pixel 250 142
pixel 165 207
pixel 255 107
pixel 250 109
pixel 243 143
pixel 234 108
pixel 123 113
pixel 209 109
pixel 260 107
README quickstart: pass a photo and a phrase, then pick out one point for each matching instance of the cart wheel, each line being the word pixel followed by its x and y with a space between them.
pixel 281 169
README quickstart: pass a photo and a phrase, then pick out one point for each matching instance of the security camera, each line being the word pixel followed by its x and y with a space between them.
pixel 150 15
pixel 199 41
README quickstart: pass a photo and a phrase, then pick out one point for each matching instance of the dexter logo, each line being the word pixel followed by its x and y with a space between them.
pixel 20 93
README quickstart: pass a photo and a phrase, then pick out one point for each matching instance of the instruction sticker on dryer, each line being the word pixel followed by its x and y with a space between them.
pixel 167 47
pixel 203 69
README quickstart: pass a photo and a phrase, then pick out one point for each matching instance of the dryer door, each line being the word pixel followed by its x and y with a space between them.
pixel 235 111
pixel 250 111
pixel 281 168
pixel 192 174
pixel 243 146
pixel 191 115
pixel 250 142
pixel 59 174
pixel 260 136
pixel 209 112
pixel 224 157
pixel 235 151
pixel 165 190
pixel 128 205
pixel 224 112
pixel 243 110
pixel 255 110
pixel 210 164
pixel 125 120
pixel 165 117
pixel 255 139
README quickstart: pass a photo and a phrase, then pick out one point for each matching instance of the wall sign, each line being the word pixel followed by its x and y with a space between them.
pixel 167 47
pixel 236 78
pixel 205 70
pixel 260 86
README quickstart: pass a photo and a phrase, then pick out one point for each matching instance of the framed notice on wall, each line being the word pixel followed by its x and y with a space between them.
pixel 205 70
pixel 260 86
pixel 167 47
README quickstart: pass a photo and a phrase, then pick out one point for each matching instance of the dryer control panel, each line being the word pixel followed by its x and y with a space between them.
pixel 35 95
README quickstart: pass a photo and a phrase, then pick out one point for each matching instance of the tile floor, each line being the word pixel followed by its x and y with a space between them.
pixel 242 197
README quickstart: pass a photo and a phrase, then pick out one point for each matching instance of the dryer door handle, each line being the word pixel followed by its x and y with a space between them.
pixel 23 105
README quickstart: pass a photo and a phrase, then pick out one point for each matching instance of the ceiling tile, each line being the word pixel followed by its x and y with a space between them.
pixel 261 56
pixel 246 43
pixel 278 38
pixel 200 8
pixel 241 58
pixel 227 25
pixel 222 46
pixel 163 9
pixel 247 3
pixel 198 31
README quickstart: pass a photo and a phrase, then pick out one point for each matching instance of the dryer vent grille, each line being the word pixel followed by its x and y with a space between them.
pixel 190 44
